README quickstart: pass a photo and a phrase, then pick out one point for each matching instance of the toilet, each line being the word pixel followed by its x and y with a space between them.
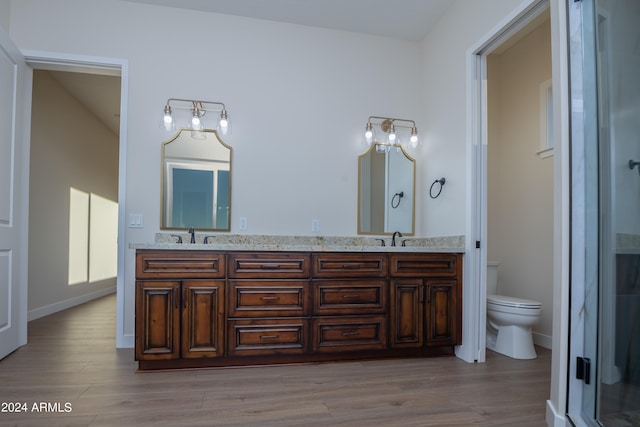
pixel 509 320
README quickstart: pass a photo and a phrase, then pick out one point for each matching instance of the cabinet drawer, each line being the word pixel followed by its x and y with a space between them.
pixel 267 336
pixel 425 265
pixel 268 298
pixel 338 334
pixel 349 297
pixel 349 265
pixel 179 265
pixel 267 265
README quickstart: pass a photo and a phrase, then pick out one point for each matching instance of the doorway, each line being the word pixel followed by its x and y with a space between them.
pixel 520 169
pixel 99 66
pixel 505 35
pixel 73 189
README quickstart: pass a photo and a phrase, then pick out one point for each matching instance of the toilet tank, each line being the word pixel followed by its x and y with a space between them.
pixel 492 278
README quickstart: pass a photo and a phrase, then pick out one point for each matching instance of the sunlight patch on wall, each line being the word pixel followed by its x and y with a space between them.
pixel 93 237
pixel 78 236
pixel 103 238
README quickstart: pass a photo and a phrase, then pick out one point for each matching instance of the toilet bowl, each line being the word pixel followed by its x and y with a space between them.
pixel 509 321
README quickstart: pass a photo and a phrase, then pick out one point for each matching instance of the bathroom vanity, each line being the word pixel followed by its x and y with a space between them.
pixel 216 307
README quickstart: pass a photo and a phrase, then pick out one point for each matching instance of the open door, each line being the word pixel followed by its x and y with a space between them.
pixel 15 103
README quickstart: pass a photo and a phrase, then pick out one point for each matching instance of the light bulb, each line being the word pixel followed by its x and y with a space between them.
pixel 167 119
pixel 413 139
pixel 393 138
pixel 369 134
pixel 224 123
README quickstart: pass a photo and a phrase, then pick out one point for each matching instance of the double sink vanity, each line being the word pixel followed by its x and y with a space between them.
pixel 232 300
pixel 247 304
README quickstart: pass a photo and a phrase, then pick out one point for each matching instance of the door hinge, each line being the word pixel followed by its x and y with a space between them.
pixel 583 369
pixel 477 244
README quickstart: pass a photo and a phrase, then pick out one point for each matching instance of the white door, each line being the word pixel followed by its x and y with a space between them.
pixel 15 102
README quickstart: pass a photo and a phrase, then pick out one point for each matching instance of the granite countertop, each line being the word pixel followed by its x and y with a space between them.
pixel 243 242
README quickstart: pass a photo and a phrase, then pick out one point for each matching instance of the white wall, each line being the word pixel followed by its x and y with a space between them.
pixel 5 13
pixel 445 53
pixel 69 148
pixel 520 182
pixel 299 98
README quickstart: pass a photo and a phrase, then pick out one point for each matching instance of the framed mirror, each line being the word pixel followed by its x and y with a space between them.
pixel 196 182
pixel 386 190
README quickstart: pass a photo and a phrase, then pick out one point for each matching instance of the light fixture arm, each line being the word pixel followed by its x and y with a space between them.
pixel 385 123
pixel 198 109
pixel 389 125
pixel 194 105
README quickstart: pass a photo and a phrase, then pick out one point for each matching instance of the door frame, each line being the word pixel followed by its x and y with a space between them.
pixel 475 262
pixel 40 60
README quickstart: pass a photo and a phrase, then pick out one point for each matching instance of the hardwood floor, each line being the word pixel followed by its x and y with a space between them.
pixel 71 364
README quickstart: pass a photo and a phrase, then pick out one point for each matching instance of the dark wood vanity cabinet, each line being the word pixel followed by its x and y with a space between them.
pixel 426 294
pixel 205 308
pixel 350 302
pixel 179 314
pixel 268 303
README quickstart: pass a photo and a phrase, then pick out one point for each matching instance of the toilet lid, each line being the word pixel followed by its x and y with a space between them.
pixel 512 301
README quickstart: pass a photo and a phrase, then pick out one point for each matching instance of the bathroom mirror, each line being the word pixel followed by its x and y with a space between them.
pixel 196 182
pixel 386 190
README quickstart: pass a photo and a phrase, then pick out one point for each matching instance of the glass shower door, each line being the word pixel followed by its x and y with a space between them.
pixel 608 144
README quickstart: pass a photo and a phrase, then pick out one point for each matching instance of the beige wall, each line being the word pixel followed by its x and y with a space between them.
pixel 519 181
pixel 69 148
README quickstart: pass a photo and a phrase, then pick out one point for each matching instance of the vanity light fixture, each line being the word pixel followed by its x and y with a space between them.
pixel 388 125
pixel 198 110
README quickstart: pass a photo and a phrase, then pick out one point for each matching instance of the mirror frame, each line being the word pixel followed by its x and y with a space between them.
pixel 164 189
pixel 371 149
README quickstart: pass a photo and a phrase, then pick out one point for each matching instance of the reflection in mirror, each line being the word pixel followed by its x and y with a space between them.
pixel 386 190
pixel 196 181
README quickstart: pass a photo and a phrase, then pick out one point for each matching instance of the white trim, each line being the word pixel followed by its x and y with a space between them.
pixel 546 119
pixel 110 66
pixel 555 418
pixel 68 303
pixel 475 264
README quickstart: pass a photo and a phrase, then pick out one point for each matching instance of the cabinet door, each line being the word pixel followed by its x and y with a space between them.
pixel 157 320
pixel 202 319
pixel 442 309
pixel 407 313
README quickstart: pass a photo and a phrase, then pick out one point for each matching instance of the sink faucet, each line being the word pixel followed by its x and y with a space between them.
pixel 393 238
pixel 193 234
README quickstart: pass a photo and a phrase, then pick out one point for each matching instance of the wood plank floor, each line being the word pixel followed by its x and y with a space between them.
pixel 71 359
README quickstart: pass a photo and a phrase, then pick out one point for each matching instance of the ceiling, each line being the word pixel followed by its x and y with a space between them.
pixel 402 19
pixel 100 94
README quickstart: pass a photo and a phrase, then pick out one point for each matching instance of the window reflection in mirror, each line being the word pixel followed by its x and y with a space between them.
pixel 386 190
pixel 196 182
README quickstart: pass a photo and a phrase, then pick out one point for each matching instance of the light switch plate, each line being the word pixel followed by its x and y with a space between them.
pixel 315 225
pixel 136 220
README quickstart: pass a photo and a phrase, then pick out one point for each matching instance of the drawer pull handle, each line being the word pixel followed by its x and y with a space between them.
pixel 352 266
pixel 269 337
pixel 269 298
pixel 270 266
pixel 350 296
pixel 352 333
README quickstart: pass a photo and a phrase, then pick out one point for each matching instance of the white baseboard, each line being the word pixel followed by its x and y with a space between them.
pixel 63 305
pixel 542 340
pixel 553 418
pixel 125 341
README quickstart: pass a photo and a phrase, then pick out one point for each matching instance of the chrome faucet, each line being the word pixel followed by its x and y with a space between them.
pixel 193 234
pixel 393 238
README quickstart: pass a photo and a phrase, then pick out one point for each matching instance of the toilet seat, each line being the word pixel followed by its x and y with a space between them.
pixel 506 301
